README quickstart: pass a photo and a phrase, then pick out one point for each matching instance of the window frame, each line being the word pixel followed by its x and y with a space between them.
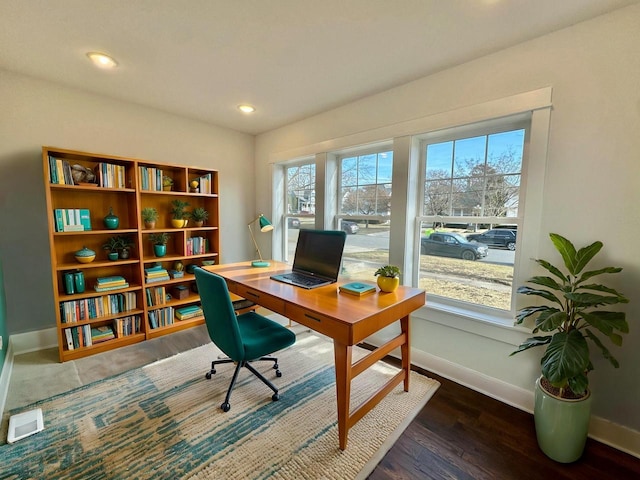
pixel 535 104
pixel 488 127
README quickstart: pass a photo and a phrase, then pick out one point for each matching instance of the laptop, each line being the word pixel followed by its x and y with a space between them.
pixel 317 259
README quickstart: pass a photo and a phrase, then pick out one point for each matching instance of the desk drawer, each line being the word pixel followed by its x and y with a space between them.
pixel 318 322
pixel 269 302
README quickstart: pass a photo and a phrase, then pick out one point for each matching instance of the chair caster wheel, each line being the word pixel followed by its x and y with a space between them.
pixel 208 375
pixel 275 397
pixel 278 373
pixel 225 407
pixel 275 366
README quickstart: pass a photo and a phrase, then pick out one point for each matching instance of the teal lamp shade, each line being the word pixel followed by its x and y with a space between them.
pixel 265 226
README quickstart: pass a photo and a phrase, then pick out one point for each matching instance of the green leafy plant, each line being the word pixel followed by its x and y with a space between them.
pixel 167 181
pixel 149 214
pixel 573 317
pixel 113 244
pixel 179 209
pixel 390 271
pixel 160 238
pixel 199 214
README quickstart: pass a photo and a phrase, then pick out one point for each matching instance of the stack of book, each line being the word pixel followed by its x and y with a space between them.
pixel 102 334
pixel 357 288
pixel 190 311
pixel 155 274
pixel 104 284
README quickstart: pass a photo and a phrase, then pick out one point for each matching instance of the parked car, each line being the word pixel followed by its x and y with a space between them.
pixel 349 226
pixel 497 237
pixel 293 222
pixel 452 245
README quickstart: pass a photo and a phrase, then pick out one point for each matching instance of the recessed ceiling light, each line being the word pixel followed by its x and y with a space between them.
pixel 101 60
pixel 246 108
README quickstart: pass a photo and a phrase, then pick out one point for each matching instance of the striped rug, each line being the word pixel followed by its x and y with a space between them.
pixel 163 421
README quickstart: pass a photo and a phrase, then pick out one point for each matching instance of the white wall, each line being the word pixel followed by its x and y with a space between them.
pixel 36 113
pixel 591 189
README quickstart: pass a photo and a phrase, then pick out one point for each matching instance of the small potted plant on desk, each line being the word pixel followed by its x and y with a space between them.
pixel 562 397
pixel 179 213
pixel 113 245
pixel 388 278
pixel 199 215
pixel 159 241
pixel 149 217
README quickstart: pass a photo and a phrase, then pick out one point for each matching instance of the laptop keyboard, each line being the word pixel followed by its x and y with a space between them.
pixel 303 279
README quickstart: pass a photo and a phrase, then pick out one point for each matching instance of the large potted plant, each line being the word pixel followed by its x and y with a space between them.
pixel 573 318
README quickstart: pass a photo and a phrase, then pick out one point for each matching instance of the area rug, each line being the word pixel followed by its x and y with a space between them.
pixel 164 421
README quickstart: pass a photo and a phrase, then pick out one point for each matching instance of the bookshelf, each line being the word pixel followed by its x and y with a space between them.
pixel 124 186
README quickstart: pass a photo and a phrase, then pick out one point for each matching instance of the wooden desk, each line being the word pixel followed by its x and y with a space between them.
pixel 346 319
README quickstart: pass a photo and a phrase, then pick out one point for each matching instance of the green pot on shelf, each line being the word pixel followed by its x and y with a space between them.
pixel 160 250
pixel 111 221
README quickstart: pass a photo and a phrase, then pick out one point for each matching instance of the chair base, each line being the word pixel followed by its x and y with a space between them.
pixel 226 406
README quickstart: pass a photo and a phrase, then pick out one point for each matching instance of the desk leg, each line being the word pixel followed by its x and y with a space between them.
pixel 405 351
pixel 343 360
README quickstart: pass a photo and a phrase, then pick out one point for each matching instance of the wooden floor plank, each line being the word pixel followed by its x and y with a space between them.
pixel 463 434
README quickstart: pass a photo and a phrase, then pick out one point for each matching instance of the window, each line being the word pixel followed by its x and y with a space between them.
pixel 471 186
pixel 364 207
pixel 300 203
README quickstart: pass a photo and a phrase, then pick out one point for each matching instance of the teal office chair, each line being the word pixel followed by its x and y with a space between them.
pixel 243 338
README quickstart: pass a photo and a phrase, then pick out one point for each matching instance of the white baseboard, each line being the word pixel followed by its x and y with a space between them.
pixel 5 376
pixel 23 343
pixel 33 341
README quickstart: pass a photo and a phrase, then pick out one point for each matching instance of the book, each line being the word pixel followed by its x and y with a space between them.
pixel 115 278
pixel 99 288
pixel 102 334
pixel 186 316
pixel 157 279
pixel 357 288
pixel 85 218
pixel 112 284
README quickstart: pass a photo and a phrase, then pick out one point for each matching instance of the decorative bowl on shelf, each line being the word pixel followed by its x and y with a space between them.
pixel 208 262
pixel 85 255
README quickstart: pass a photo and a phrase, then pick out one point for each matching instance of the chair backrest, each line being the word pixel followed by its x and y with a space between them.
pixel 219 314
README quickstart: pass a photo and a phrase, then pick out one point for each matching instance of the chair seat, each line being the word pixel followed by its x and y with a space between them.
pixel 262 336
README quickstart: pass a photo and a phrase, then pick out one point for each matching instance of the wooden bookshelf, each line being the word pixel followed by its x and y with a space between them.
pixel 122 188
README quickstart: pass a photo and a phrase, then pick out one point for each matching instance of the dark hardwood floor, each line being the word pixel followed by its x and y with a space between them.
pixel 462 434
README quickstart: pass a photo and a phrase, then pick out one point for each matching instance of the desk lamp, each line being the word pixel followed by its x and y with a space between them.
pixel 265 226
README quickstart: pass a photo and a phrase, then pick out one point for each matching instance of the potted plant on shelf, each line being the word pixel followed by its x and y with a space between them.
pixel 113 245
pixel 149 217
pixel 199 215
pixel 179 213
pixel 159 241
pixel 388 278
pixel 562 397
pixel 167 183
pixel 125 246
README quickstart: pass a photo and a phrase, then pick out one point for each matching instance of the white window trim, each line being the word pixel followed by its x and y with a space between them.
pixel 403 228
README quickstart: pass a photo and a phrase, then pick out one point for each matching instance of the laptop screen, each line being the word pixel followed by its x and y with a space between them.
pixel 319 252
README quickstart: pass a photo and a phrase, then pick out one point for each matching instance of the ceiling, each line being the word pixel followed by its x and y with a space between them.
pixel 291 59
